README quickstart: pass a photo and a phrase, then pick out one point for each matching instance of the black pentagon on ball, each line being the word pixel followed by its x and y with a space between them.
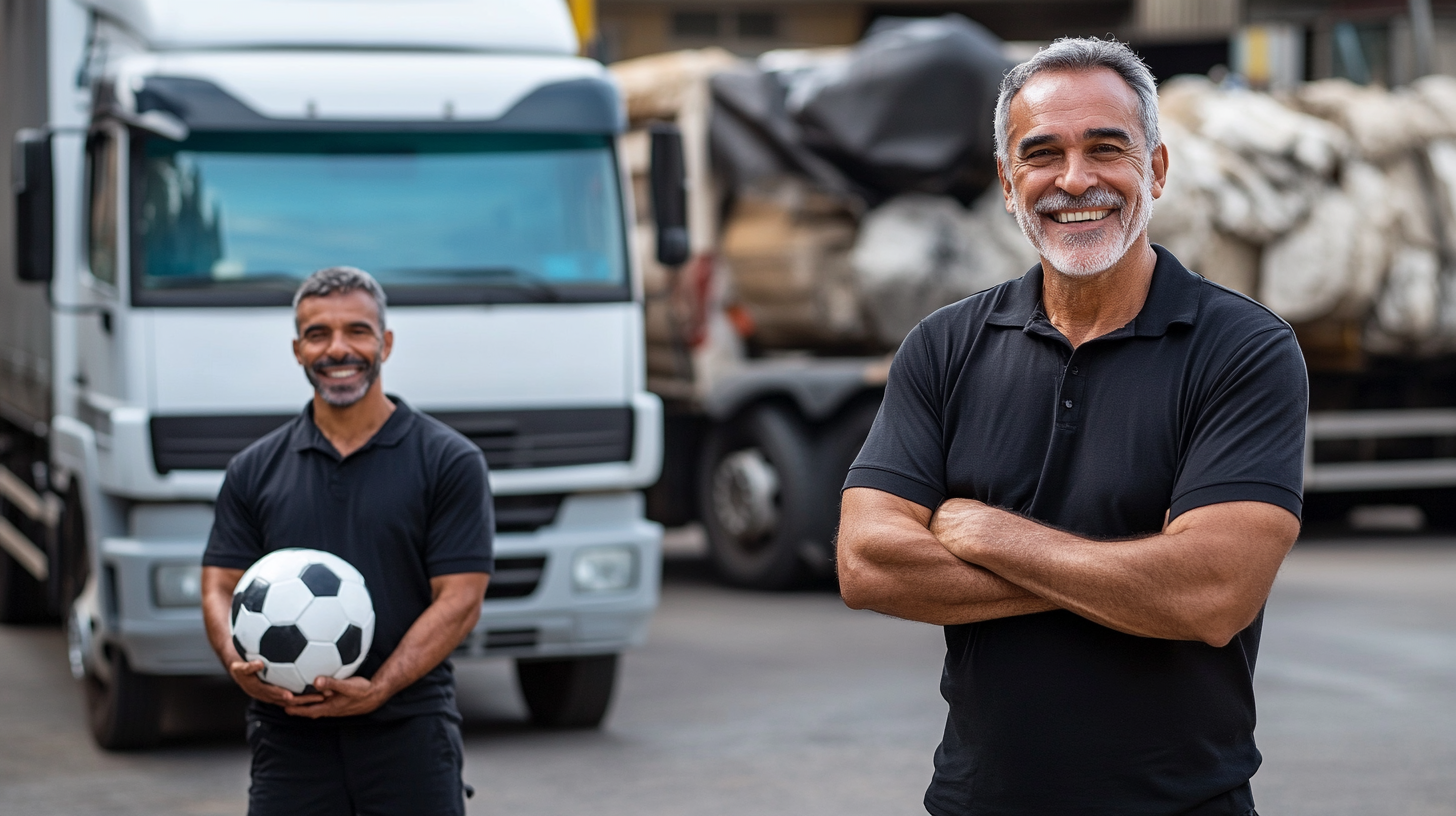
pixel 282 644
pixel 253 596
pixel 238 644
pixel 350 643
pixel 237 604
pixel 321 581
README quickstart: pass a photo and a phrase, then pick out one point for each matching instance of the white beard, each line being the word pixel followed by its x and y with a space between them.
pixel 1090 253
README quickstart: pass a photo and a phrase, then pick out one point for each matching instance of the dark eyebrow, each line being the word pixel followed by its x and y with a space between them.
pixel 1035 141
pixel 1108 133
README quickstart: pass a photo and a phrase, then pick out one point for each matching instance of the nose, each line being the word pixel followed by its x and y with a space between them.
pixel 338 347
pixel 1077 175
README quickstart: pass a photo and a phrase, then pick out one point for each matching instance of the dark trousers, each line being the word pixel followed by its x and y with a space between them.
pixel 410 767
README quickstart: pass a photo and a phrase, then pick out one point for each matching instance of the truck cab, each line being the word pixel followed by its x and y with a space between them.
pixel 202 160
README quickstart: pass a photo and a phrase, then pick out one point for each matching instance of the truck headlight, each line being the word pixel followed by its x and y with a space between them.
pixel 176 585
pixel 604 569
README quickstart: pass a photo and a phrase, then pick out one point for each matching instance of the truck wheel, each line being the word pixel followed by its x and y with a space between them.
pixel 845 436
pixel 761 501
pixel 126 710
pixel 568 692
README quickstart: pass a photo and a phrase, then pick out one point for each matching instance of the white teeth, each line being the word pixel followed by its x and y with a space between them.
pixel 1089 215
pixel 339 375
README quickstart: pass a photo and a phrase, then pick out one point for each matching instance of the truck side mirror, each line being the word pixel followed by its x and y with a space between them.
pixel 33 184
pixel 669 194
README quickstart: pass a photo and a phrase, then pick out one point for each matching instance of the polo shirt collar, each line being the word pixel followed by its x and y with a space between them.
pixel 1172 299
pixel 307 436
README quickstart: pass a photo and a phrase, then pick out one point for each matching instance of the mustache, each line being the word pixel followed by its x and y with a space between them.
pixel 327 362
pixel 1093 199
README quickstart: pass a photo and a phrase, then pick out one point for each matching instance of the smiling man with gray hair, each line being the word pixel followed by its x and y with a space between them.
pixel 1089 476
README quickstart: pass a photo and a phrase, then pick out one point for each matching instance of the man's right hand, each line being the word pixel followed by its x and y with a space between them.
pixel 246 676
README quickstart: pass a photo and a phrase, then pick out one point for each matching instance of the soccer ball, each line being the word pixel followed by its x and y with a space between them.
pixel 305 614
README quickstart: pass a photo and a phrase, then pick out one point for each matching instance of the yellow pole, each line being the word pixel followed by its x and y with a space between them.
pixel 584 15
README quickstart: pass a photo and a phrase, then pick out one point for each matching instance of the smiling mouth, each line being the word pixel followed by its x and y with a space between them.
pixel 1085 215
pixel 342 373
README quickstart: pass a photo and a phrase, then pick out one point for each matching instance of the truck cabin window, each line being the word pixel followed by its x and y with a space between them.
pixel 241 219
pixel 101 221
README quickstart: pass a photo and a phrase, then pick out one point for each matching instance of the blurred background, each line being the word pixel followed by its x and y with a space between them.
pixel 800 182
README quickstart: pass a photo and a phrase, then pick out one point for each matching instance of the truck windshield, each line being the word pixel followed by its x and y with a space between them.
pixel 241 219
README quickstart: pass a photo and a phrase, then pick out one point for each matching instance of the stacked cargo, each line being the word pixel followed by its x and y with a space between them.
pixel 1332 205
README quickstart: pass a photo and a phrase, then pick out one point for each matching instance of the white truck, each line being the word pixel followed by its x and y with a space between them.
pixel 178 167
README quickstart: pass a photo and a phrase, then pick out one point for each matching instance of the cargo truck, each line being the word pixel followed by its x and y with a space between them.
pixel 771 345
pixel 178 168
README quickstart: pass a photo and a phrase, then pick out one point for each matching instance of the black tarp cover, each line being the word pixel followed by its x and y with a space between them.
pixel 910 108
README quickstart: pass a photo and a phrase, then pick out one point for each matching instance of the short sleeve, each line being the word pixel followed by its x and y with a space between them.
pixel 904 454
pixel 461 534
pixel 236 540
pixel 1247 437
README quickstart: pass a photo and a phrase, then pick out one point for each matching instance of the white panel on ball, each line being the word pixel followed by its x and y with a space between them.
pixel 357 605
pixel 323 621
pixel 318 660
pixel 286 601
pixel 285 675
pixel 249 629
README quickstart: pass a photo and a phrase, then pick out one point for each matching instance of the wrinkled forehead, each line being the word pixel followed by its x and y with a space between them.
pixel 1068 104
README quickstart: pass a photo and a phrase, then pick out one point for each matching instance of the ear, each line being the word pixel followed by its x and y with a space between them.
pixel 1005 185
pixel 1160 170
pixel 387 346
pixel 297 351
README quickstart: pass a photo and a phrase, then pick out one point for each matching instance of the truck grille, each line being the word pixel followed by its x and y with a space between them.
pixel 525 514
pixel 511 440
pixel 515 577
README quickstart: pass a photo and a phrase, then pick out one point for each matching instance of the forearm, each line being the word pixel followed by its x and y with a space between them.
pixel 435 634
pixel 921 581
pixel 892 564
pixel 1191 582
pixel 217 596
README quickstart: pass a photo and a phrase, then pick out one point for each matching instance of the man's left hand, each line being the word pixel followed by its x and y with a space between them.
pixel 349 697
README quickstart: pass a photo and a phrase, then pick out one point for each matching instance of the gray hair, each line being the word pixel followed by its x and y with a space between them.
pixel 341 280
pixel 1082 54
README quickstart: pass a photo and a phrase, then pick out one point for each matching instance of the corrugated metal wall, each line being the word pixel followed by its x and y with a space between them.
pixel 1182 17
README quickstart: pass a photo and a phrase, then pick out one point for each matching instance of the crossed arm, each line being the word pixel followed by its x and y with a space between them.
pixel 452 613
pixel 1204 577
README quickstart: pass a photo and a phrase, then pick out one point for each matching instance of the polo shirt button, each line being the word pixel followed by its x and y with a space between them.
pixel 1074 371
pixel 1068 403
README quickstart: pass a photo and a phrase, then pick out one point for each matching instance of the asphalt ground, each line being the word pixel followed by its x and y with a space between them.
pixel 751 703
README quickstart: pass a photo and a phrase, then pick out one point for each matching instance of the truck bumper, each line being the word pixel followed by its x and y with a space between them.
pixel 554 619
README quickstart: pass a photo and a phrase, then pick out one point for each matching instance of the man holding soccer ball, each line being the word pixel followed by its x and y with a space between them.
pixel 405 500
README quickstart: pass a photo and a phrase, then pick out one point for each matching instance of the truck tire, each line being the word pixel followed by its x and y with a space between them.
pixel 568 692
pixel 762 499
pixel 845 436
pixel 126 711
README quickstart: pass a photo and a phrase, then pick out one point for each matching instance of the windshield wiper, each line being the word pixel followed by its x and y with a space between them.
pixel 535 289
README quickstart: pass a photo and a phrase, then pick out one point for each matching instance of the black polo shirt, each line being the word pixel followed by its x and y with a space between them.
pixel 412 504
pixel 1200 399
